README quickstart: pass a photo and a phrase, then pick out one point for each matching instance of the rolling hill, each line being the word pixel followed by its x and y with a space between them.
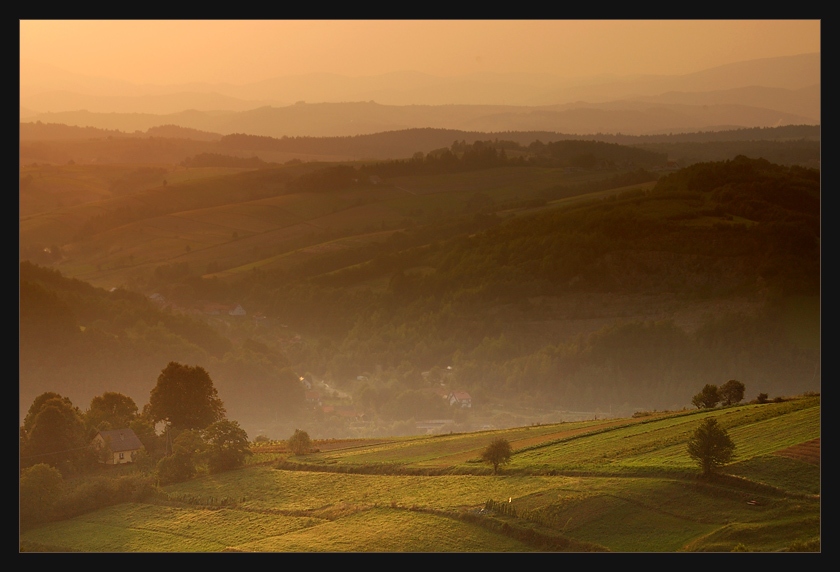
pixel 622 485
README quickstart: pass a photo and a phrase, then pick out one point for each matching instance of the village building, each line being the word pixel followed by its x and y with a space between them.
pixel 460 398
pixel 118 446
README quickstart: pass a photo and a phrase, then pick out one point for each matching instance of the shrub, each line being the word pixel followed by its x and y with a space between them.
pixel 175 468
pixel 228 446
pixel 497 453
pixel 300 443
pixel 40 489
pixel 805 546
pixel 94 493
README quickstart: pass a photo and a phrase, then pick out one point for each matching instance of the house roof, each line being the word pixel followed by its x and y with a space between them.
pixel 121 440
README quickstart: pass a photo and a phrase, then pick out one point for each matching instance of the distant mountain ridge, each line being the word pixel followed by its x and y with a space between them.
pixel 743 94
pixel 358 118
pixel 410 88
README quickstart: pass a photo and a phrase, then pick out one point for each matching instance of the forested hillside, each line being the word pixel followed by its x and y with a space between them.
pixel 85 341
pixel 521 310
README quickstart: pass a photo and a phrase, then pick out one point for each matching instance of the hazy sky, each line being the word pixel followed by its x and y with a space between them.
pixel 239 51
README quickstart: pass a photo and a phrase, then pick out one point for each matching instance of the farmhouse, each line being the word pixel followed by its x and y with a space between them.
pixel 461 398
pixel 118 446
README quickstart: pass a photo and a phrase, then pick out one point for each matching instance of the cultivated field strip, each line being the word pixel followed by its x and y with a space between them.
pixel 152 528
pixel 665 508
pixel 265 488
pixel 661 442
pixel 389 530
pixel 447 450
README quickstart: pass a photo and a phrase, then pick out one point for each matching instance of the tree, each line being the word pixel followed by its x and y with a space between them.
pixel 185 398
pixel 114 409
pixel 732 392
pixel 38 404
pixel 40 488
pixel 707 398
pixel 228 446
pixel 300 443
pixel 711 446
pixel 497 453
pixel 181 464
pixel 56 435
pixel 175 468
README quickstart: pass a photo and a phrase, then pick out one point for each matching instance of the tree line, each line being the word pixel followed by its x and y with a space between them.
pixel 56 440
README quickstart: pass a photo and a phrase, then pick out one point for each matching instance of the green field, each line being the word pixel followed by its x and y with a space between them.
pixel 623 485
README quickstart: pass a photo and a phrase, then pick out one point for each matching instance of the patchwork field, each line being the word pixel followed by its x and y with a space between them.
pixel 619 485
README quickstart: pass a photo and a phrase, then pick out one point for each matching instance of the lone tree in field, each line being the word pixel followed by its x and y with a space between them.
pixel 185 398
pixel 300 443
pixel 711 446
pixel 497 453
pixel 731 392
pixel 707 398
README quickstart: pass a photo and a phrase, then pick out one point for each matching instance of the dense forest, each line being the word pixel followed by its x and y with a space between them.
pixel 626 301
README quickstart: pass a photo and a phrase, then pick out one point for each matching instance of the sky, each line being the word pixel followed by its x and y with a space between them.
pixel 241 51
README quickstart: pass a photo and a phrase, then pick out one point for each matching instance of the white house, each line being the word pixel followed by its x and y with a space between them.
pixel 118 446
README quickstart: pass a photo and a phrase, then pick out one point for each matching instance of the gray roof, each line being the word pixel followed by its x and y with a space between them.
pixel 121 440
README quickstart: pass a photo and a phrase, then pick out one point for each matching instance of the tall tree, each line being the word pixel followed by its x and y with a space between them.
pixel 732 392
pixel 185 398
pixel 38 404
pixel 711 446
pixel 114 409
pixel 56 437
pixel 707 398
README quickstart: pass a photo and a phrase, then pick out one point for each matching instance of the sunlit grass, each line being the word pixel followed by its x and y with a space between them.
pixel 605 499
pixel 390 530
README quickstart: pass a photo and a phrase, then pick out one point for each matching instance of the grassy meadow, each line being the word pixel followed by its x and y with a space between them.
pixel 622 485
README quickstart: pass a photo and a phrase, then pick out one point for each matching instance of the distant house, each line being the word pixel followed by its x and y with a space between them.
pixel 460 398
pixel 118 446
